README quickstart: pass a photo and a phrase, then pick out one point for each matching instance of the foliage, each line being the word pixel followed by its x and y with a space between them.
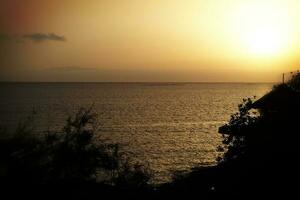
pixel 294 82
pixel 72 155
pixel 237 130
pixel 249 131
pixel 131 176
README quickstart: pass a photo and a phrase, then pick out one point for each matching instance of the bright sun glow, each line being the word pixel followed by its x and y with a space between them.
pixel 265 41
pixel 263 30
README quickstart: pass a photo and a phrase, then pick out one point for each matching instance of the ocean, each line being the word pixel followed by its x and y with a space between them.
pixel 169 127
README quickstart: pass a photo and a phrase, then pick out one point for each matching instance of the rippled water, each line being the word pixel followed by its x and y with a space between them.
pixel 168 126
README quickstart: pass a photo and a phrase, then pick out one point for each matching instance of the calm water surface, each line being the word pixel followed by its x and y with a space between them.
pixel 168 126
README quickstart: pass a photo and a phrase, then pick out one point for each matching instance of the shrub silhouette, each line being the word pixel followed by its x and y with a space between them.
pixel 263 146
pixel 250 131
pixel 295 81
pixel 73 155
pixel 236 132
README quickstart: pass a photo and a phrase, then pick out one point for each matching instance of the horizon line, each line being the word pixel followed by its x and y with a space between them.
pixel 132 82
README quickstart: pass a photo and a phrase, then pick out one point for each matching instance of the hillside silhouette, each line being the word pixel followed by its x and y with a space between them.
pixel 260 145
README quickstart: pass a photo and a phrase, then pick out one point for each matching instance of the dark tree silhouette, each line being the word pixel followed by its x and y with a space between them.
pixel 77 154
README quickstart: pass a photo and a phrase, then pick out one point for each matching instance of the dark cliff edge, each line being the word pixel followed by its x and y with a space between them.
pixel 261 150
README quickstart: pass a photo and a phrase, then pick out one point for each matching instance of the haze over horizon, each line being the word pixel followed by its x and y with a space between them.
pixel 154 41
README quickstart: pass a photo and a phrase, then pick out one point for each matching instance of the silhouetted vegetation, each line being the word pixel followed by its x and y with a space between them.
pixel 264 146
pixel 260 150
pixel 235 132
pixel 294 83
pixel 262 122
pixel 76 155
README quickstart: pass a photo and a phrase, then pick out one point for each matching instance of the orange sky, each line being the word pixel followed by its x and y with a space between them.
pixel 158 40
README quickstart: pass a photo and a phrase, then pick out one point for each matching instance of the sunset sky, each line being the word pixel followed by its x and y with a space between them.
pixel 157 40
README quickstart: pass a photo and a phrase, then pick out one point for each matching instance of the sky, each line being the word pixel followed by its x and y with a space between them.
pixel 148 41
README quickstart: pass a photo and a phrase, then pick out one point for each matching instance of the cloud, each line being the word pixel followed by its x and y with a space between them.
pixel 41 37
pixel 35 37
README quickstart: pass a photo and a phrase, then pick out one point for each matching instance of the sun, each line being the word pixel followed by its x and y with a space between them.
pixel 263 30
pixel 264 41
